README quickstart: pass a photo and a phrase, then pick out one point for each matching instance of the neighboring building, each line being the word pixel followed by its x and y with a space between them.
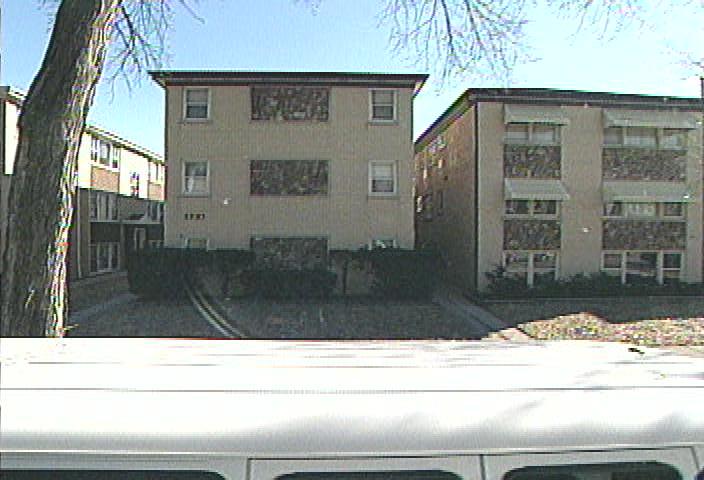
pixel 291 165
pixel 119 203
pixel 550 183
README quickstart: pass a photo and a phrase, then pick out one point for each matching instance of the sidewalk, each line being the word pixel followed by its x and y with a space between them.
pixel 96 290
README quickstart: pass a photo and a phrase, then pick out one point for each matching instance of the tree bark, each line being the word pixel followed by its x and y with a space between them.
pixel 42 189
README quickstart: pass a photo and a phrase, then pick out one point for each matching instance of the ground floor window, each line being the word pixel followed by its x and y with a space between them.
pixel 156 243
pixel 104 257
pixel 634 267
pixel 198 243
pixel 382 243
pixel 536 267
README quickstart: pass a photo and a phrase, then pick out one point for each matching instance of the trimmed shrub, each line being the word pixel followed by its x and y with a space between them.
pixel 289 284
pixel 162 272
pixel 581 285
pixel 403 274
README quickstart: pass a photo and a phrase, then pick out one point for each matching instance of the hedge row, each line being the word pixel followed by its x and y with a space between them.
pixel 600 284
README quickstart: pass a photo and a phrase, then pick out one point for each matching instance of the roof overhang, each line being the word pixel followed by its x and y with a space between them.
pixel 645 192
pixel 345 79
pixel 650 118
pixel 535 114
pixel 530 189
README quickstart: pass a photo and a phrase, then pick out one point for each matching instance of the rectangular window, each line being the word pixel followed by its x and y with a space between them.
pixel 646 137
pixel 134 184
pixel 195 178
pixel 288 177
pixel 532 133
pixel 85 474
pixel 94 149
pixel 196 242
pixel 640 209
pixel 196 104
pixel 383 105
pixel 103 206
pixel 535 268
pixel 104 257
pixel 610 471
pixel 543 208
pixel 674 210
pixel 614 209
pixel 104 153
pixel 382 178
pixel 634 267
pixel 115 154
pixel 674 139
pixel 155 243
pixel 382 243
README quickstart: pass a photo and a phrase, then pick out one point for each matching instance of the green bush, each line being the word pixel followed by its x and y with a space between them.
pixel 407 274
pixel 582 285
pixel 162 272
pixel 289 284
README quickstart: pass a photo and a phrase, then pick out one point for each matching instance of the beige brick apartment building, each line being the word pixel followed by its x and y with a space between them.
pixel 119 203
pixel 291 165
pixel 551 183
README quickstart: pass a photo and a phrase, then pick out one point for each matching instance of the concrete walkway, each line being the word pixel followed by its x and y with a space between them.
pixel 451 299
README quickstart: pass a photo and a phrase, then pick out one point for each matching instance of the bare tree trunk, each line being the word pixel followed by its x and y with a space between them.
pixel 33 288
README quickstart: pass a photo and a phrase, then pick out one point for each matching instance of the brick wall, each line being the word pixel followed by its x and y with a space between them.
pixel 644 164
pixel 532 161
pixel 524 234
pixel 290 103
pixel 644 235
pixel 101 179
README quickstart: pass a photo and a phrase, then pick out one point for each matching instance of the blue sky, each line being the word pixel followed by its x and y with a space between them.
pixel 344 35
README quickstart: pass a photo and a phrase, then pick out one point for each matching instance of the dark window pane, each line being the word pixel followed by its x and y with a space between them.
pixel 611 471
pixel 107 475
pixel 388 475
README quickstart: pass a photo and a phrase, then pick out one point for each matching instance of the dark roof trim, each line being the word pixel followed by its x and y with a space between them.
pixel 338 79
pixel 552 97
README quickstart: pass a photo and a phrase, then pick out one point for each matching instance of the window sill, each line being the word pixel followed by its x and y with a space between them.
pixel 525 144
pixel 383 196
pixel 648 219
pixel 382 122
pixel 289 195
pixel 643 147
pixel 196 121
pixel 105 167
pixel 194 195
pixel 509 216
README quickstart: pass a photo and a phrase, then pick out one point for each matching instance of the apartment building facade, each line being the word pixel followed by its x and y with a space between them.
pixel 119 201
pixel 289 165
pixel 549 184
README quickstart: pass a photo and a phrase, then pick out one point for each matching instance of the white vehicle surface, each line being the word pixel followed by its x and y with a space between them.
pixel 313 410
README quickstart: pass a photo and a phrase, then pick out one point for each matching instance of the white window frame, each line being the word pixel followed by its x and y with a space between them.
pixel 530 127
pixel 208 105
pixel 394 171
pixel 394 105
pixel 206 192
pixel 380 242
pixel 187 241
pixel 659 211
pixel 659 135
pixel 530 268
pixel 531 210
pixel 660 269
pixel 498 466
pixel 113 251
pixel 103 206
pixel 115 157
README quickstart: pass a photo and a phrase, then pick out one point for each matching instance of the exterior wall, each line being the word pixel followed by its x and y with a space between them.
pixel 91 175
pixel 581 234
pixel 346 215
pixel 453 232
pixel 130 163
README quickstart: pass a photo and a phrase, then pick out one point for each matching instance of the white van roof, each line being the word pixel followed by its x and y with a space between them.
pixel 317 398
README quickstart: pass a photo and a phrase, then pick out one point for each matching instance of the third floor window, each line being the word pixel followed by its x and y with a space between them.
pixel 382 106
pixel 646 137
pixel 196 104
pixel 532 133
pixel 105 153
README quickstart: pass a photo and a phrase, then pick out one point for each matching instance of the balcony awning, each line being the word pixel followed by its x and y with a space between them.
pixel 643 192
pixel 534 114
pixel 530 189
pixel 650 118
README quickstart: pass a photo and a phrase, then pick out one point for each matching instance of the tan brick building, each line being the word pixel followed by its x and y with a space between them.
pixel 291 165
pixel 119 203
pixel 551 183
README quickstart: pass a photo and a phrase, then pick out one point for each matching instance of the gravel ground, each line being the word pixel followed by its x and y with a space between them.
pixel 648 321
